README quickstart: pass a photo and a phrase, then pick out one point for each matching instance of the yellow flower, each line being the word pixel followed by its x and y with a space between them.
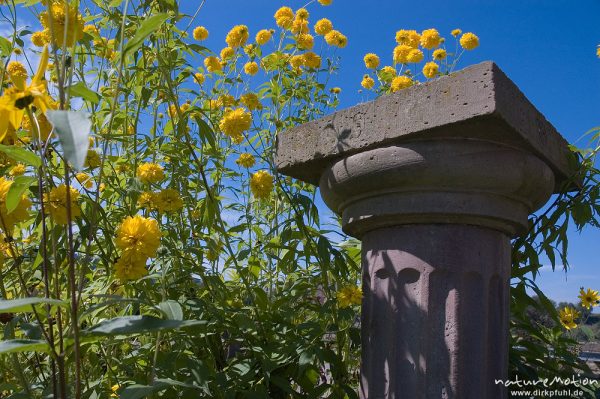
pixel 567 317
pixel 335 38
pixel 408 37
pixel 305 41
pixel 439 54
pixel 401 53
pixel 237 36
pixel 234 123
pixel 251 101
pixel 297 61
pixel 6 252
pixel 122 168
pixel 456 32
pixel 367 82
pixel 44 125
pixel 261 184
pixel 138 237
pixel 84 180
pixel 263 36
pixel 56 203
pixel 147 200
pixel 300 26
pixel 41 38
pixel 18 97
pixel 371 61
pixel 92 160
pixel 150 173
pixel 63 21
pixel 199 78
pixel 401 82
pixel 212 64
pixel 225 100
pixel 251 68
pixel 414 56
pixel 17 170
pixel 246 160
pixel 284 17
pixel 129 268
pixel 323 27
pixel 114 390
pixel 430 70
pixel 91 30
pixel 200 33
pixel 311 60
pixel 17 73
pixel 387 73
pixel 249 49
pixel 598 52
pixel 19 214
pixel 325 2
pixel 168 200
pixel 11 137
pixel 430 39
pixel 469 41
pixel 227 52
pixel 302 13
pixel 45 128
pixel 348 296
pixel 589 299
pixel 336 90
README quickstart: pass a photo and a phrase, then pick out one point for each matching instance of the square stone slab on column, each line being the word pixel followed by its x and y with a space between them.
pixel 478 102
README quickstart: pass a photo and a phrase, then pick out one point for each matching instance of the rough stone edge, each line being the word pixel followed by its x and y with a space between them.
pixel 495 97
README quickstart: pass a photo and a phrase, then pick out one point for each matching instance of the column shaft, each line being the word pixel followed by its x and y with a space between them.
pixel 435 312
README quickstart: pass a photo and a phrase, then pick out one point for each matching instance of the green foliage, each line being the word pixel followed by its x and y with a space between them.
pixel 538 350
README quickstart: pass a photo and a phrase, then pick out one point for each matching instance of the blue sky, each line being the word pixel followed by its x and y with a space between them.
pixel 547 47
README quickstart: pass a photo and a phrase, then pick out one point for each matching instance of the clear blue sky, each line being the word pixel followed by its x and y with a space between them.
pixel 547 47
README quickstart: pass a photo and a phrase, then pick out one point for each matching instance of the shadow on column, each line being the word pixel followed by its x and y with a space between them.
pixel 425 329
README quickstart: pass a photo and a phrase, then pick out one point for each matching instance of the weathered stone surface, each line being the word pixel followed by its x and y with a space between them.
pixel 449 181
pixel 478 102
pixel 435 312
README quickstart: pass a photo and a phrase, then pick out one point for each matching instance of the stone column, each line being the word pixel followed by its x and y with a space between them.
pixel 434 180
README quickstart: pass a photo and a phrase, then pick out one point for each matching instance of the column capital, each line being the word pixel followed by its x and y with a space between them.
pixel 479 102
pixel 440 181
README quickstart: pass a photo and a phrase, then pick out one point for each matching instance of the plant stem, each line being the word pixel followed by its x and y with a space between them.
pixel 73 287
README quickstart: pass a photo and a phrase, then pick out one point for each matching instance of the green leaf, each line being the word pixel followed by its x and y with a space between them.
pixel 160 384
pixel 5 46
pixel 81 90
pixel 16 190
pixel 171 309
pixel 26 304
pixel 128 325
pixel 141 391
pixel 146 29
pixel 206 133
pixel 171 382
pixel 589 333
pixel 73 129
pixel 21 155
pixel 23 345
